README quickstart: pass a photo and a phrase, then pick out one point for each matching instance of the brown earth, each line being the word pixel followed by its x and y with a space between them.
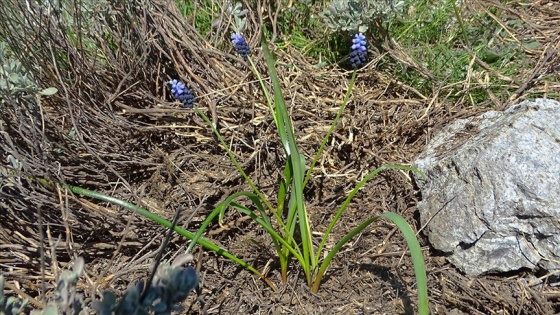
pixel 114 130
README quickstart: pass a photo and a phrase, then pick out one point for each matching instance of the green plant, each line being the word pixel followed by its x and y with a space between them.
pixel 357 16
pixel 291 231
pixel 456 49
pixel 239 16
pixel 68 301
pixel 202 13
pixel 10 305
pixel 14 78
pixel 170 285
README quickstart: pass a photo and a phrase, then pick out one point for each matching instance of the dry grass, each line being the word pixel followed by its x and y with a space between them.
pixel 112 128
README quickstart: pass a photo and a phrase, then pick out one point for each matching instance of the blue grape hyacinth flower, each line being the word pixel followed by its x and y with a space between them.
pixel 358 56
pixel 241 45
pixel 182 93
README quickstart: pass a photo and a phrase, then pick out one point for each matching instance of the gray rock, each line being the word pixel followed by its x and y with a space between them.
pixel 491 197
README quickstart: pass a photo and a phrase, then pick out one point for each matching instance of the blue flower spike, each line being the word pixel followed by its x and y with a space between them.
pixel 241 45
pixel 182 94
pixel 358 56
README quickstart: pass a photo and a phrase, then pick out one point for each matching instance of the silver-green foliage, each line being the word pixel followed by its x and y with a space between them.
pixel 69 10
pixel 10 305
pixel 239 16
pixel 83 22
pixel 355 16
pixel 68 301
pixel 14 78
pixel 171 285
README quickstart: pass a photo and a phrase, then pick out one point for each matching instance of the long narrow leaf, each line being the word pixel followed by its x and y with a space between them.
pixel 264 221
pixel 331 129
pixel 288 230
pixel 354 192
pixel 266 94
pixel 161 221
pixel 220 208
pixel 269 228
pixel 413 245
pixel 298 163
pixel 334 251
pixel 283 189
pixel 417 260
pixel 234 160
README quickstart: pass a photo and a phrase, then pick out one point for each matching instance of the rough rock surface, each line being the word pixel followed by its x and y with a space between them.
pixel 491 197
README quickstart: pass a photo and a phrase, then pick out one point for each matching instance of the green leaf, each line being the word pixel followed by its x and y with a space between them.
pixel 354 192
pixel 286 132
pixel 417 260
pixel 161 221
pixel 331 129
pixel 413 245
pixel 48 91
pixel 490 56
pixel 326 262
pixel 14 77
pixel 531 45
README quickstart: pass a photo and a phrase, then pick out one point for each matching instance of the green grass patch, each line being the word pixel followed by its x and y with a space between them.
pixel 444 39
pixel 202 12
